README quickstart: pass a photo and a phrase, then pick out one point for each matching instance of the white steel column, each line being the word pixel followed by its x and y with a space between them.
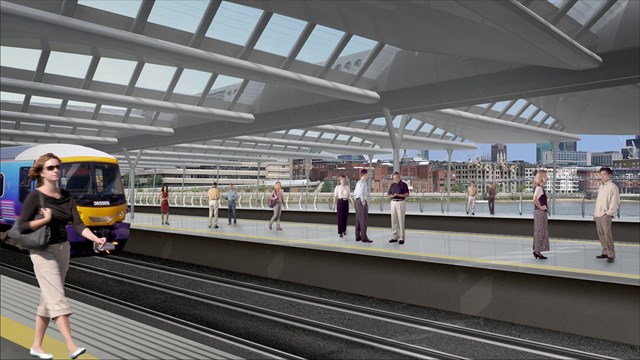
pixel 132 178
pixel 554 145
pixel 449 154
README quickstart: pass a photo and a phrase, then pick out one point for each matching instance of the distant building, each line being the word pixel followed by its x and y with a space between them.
pixel 567 158
pixel 545 147
pixel 632 148
pixel 425 154
pixel 498 153
pixel 605 158
pixel 352 158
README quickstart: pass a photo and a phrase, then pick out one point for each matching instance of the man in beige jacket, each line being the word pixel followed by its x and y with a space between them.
pixel 214 204
pixel 606 208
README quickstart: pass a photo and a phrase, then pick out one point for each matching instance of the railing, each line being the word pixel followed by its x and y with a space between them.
pixel 421 202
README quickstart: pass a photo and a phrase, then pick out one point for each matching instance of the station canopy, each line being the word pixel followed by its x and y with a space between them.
pixel 218 82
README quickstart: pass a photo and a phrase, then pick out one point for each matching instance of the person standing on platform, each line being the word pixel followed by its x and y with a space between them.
pixel 278 196
pixel 491 197
pixel 232 196
pixel 214 204
pixel 540 219
pixel 472 192
pixel 398 193
pixel 342 194
pixel 361 195
pixel 50 264
pixel 164 204
pixel 607 204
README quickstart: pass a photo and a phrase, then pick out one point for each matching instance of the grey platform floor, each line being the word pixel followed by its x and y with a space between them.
pixel 104 334
pixel 567 258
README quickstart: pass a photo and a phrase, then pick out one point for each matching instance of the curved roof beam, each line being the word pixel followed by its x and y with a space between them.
pixel 408 141
pixel 42 23
pixel 179 160
pixel 96 124
pixel 516 19
pixel 63 92
pixel 334 148
pixel 209 156
pixel 272 153
pixel 57 136
pixel 484 129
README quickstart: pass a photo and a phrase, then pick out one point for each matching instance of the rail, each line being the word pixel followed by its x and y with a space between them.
pixel 579 205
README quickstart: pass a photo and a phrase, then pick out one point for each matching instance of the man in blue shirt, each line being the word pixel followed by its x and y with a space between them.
pixel 398 193
pixel 232 196
pixel 361 196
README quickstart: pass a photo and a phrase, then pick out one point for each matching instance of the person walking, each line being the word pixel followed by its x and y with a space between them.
pixel 472 192
pixel 361 195
pixel 51 264
pixel 398 193
pixel 342 194
pixel 540 219
pixel 491 197
pixel 232 196
pixel 164 204
pixel 278 196
pixel 606 208
pixel 214 204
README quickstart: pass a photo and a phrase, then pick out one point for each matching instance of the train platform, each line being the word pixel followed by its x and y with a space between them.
pixel 569 258
pixel 105 335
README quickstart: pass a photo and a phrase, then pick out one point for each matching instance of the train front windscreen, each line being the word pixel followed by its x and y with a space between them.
pixel 93 183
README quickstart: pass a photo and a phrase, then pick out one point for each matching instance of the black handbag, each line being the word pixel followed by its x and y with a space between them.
pixel 38 239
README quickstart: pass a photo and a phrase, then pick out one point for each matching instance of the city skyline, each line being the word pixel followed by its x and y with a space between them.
pixel 527 152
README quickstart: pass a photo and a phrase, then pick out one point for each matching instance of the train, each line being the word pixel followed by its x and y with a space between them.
pixel 91 176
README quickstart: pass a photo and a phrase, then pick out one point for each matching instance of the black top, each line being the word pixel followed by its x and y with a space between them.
pixel 400 188
pixel 543 198
pixel 63 212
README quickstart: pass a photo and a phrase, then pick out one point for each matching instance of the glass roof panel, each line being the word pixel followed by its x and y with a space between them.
pixel 583 10
pixel 46 101
pixel 320 44
pixel 529 111
pixel 115 71
pixel 155 77
pixel 280 35
pixel 66 64
pixel 11 97
pixel 19 58
pixel 540 116
pixel 178 14
pixel 233 23
pixel 80 106
pixel 192 82
pixel 516 107
pixel 127 8
pixel 500 106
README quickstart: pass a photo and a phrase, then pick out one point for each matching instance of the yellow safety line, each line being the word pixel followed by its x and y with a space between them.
pixel 424 255
pixel 460 234
pixel 22 335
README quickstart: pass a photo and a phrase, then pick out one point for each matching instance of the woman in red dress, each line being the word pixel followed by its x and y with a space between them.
pixel 164 203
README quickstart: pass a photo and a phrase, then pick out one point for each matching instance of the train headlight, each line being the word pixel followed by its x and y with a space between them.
pixel 101 219
pixel 120 214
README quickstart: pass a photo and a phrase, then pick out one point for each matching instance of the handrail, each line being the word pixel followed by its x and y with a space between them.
pixel 520 205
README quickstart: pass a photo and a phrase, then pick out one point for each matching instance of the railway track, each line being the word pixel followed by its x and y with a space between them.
pixel 375 318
